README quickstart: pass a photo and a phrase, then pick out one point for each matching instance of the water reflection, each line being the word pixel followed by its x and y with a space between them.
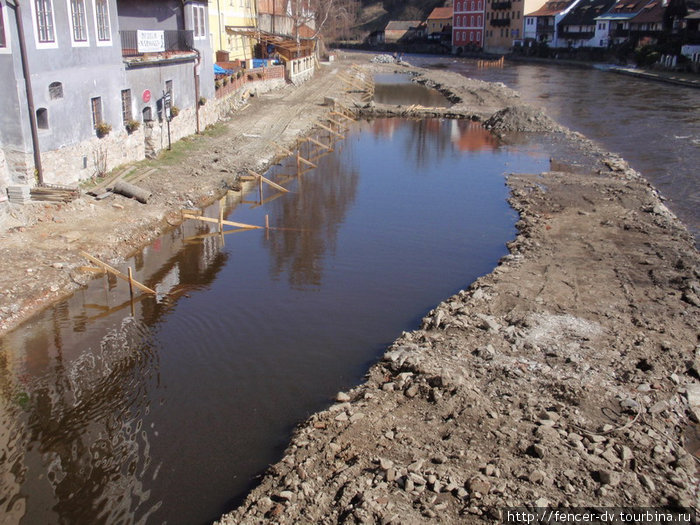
pixel 168 414
pixel 400 90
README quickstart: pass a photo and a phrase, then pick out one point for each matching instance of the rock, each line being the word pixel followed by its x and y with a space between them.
pixel 608 477
pixel 286 495
pixel 537 476
pixel 488 323
pixel 542 503
pixel 385 464
pixel 629 404
pixel 692 392
pixel 536 451
pixel 479 485
pixel 342 397
pixel 646 481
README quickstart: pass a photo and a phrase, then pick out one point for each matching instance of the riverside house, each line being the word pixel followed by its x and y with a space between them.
pixel 468 25
pixel 542 25
pixel 96 83
pixel 578 27
pixel 504 23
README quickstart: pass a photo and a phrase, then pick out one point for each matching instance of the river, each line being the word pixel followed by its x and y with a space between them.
pixel 167 412
pixel 653 125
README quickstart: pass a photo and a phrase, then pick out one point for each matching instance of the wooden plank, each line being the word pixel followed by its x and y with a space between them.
pixel 282 148
pixel 269 199
pixel 307 162
pixel 116 272
pixel 343 115
pixel 227 223
pixel 330 130
pixel 269 182
pixel 337 123
pixel 247 178
pixel 319 143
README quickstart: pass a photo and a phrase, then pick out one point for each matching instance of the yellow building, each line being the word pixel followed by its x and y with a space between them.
pixel 227 18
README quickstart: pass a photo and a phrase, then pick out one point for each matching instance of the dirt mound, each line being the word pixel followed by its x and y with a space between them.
pixel 521 118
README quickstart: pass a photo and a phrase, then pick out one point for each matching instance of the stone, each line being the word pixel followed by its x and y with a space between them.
pixel 629 404
pixel 537 476
pixel 608 477
pixel 385 464
pixel 692 392
pixel 542 503
pixel 646 481
pixel 479 485
pixel 342 397
pixel 286 495
pixel 536 450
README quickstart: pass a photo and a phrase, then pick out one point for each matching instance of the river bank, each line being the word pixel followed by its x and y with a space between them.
pixel 485 404
pixel 563 378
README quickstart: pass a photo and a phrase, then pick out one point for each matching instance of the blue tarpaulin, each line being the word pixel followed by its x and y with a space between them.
pixel 218 70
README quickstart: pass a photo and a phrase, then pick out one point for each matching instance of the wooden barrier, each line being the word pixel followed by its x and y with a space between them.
pixel 268 182
pixel 216 221
pixel 132 282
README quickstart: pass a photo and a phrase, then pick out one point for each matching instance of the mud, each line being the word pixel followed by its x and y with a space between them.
pixel 562 378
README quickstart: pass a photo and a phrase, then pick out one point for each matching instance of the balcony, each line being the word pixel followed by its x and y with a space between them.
pixel 501 5
pixel 141 47
pixel 500 22
pixel 576 35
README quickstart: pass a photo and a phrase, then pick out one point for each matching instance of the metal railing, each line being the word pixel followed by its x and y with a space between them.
pixel 175 40
pixel 501 5
pixel 500 22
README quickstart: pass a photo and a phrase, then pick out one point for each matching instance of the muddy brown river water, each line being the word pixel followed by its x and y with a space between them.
pixel 167 412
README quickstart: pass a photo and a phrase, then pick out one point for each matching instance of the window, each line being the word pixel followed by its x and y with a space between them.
pixel 42 118
pixel 55 90
pixel 3 38
pixel 102 25
pixel 96 104
pixel 126 106
pixel 44 21
pixel 198 24
pixel 78 21
pixel 478 20
pixel 471 21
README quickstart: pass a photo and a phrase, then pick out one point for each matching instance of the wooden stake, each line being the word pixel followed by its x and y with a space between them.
pixel 319 143
pixel 269 182
pixel 330 130
pixel 131 293
pixel 337 123
pixel 282 148
pixel 342 115
pixel 267 222
pixel 227 223
pixel 221 217
pixel 117 272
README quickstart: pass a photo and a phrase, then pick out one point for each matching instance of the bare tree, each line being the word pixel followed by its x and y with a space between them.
pixel 324 17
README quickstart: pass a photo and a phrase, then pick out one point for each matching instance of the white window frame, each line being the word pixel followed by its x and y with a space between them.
pixel 78 43
pixel 102 43
pixel 35 22
pixel 199 22
pixel 7 49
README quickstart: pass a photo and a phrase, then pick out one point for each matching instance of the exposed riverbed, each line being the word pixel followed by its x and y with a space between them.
pixel 259 330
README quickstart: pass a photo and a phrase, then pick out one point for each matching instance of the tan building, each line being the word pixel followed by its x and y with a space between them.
pixel 439 19
pixel 504 23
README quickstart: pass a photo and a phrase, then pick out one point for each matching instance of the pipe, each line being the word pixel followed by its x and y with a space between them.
pixel 196 89
pixel 30 94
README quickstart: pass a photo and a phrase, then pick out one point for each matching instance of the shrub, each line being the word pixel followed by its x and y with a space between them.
pixel 132 125
pixel 202 101
pixel 174 111
pixel 102 129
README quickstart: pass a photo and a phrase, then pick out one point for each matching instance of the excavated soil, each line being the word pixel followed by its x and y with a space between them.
pixel 567 377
